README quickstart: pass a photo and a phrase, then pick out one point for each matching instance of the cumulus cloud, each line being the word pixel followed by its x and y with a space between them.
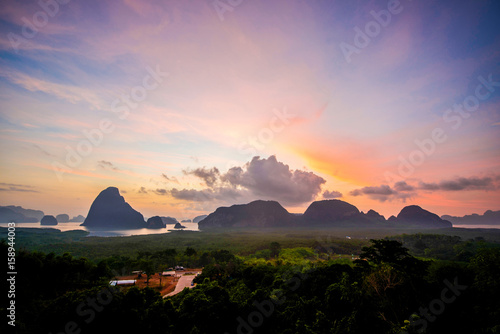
pixel 331 194
pixel 258 179
pixel 271 179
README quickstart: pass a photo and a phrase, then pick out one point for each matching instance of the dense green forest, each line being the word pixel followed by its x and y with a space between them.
pixel 237 241
pixel 413 283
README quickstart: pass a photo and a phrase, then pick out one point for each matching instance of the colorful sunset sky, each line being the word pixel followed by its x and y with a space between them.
pixel 186 106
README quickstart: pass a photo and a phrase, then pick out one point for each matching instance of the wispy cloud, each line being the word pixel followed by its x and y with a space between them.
pixel 461 183
pixel 382 193
pixel 9 187
pixel 403 190
pixel 72 94
pixel 169 178
pixel 107 165
pixel 45 152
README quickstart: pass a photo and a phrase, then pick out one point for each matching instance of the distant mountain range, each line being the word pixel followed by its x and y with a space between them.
pixel 110 210
pixel 19 214
pixel 328 213
pixel 488 218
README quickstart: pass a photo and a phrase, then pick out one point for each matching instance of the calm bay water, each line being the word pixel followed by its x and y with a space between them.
pixel 126 232
pixel 63 227
pixel 476 226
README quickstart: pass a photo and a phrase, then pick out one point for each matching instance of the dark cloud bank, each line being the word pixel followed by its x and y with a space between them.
pixel 402 190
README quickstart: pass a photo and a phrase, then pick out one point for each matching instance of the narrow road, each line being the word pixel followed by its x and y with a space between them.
pixel 184 282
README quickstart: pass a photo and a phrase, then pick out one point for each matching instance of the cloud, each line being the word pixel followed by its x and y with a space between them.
pixel 107 165
pixel 266 179
pixel 384 192
pixel 205 195
pixel 271 179
pixel 142 191
pixel 461 183
pixel 44 151
pixel 192 194
pixel 72 94
pixel 161 192
pixel 403 186
pixel 17 188
pixel 428 186
pixel 169 178
pixel 402 190
pixel 209 176
pixel 331 194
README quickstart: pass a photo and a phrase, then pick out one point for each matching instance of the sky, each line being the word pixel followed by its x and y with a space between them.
pixel 186 106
